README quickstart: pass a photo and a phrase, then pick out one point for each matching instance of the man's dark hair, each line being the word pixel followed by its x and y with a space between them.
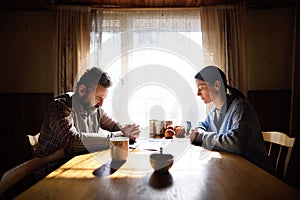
pixel 93 77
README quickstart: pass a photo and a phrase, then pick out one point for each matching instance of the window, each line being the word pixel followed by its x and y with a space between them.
pixel 152 68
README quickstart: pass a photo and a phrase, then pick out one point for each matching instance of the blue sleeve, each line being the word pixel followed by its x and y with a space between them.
pixel 205 124
pixel 236 133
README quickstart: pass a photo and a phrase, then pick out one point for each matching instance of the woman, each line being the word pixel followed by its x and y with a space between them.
pixel 232 125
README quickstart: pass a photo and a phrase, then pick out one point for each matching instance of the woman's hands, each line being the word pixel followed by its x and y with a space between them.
pixel 196 137
pixel 193 135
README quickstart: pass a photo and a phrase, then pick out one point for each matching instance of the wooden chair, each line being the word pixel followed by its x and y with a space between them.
pixel 283 140
pixel 32 141
pixel 20 172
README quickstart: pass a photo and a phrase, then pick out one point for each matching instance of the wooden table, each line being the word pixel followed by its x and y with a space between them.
pixel 196 174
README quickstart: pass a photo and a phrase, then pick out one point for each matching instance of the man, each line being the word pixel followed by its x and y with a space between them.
pixel 74 121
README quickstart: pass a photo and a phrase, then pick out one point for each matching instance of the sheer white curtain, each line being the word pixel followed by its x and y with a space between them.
pixel 152 58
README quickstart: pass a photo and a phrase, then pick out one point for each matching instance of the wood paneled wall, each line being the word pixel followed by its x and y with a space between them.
pixel 22 113
pixel 272 108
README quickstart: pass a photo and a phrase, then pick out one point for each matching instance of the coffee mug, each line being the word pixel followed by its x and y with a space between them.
pixel 119 148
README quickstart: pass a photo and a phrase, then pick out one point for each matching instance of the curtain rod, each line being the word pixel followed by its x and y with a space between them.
pixel 144 9
pixel 97 7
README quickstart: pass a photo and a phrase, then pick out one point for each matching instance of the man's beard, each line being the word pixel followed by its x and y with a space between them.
pixel 84 101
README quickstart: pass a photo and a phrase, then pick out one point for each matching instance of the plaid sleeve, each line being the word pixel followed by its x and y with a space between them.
pixel 107 123
pixel 72 140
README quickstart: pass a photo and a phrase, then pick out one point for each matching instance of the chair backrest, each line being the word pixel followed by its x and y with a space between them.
pixel 281 139
pixel 18 173
pixel 33 141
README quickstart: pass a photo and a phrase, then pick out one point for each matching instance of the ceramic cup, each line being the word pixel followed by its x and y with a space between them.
pixel 119 148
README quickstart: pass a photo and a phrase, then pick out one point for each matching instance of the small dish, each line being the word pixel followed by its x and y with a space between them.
pixel 161 163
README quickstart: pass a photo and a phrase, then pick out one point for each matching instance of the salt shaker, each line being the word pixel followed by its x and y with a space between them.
pixel 188 127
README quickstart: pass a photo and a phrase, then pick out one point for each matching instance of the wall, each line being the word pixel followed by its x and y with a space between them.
pixel 270 54
pixel 27 57
pixel 269 48
pixel 27 51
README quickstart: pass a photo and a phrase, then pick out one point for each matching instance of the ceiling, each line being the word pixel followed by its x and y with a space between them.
pixel 46 4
